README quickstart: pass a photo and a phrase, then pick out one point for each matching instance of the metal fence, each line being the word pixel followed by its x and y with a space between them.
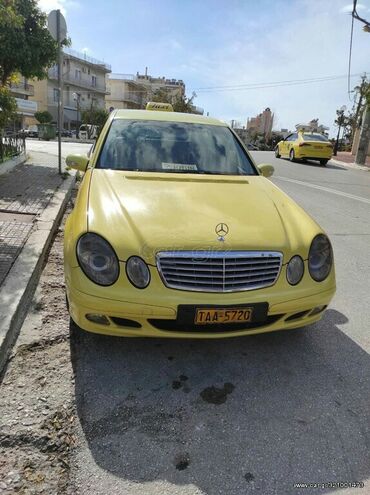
pixel 11 145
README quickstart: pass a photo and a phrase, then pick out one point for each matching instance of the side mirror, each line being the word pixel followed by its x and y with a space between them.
pixel 265 169
pixel 78 162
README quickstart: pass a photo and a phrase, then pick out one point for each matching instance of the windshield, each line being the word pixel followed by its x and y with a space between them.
pixel 315 137
pixel 151 146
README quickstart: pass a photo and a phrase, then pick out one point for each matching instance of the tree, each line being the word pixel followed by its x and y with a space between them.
pixel 43 117
pixel 8 107
pixel 179 103
pixel 26 45
pixel 95 116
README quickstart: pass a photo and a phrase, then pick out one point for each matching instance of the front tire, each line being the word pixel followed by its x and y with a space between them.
pixel 292 155
pixel 277 154
pixel 323 162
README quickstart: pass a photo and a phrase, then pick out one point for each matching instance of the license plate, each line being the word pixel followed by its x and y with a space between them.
pixel 318 147
pixel 204 316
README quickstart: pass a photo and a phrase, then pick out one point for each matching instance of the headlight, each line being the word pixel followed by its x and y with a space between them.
pixel 137 272
pixel 320 258
pixel 295 270
pixel 97 259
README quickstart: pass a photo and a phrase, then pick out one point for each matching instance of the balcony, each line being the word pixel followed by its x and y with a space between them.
pixel 82 82
pixel 22 88
pixel 128 97
pixel 90 60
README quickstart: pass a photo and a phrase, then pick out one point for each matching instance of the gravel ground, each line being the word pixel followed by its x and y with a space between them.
pixel 36 402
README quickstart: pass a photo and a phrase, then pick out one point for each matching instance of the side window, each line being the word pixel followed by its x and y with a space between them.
pixel 289 138
pixel 294 137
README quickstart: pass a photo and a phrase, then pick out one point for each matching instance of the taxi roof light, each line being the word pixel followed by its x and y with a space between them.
pixel 159 107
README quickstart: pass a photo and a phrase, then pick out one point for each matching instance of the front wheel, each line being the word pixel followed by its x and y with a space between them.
pixel 277 154
pixel 323 162
pixel 291 155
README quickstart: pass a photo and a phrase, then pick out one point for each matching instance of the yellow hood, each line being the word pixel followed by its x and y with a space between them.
pixel 143 213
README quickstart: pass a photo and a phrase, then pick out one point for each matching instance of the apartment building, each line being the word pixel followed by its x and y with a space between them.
pixel 262 124
pixel 26 108
pixel 84 87
pixel 134 91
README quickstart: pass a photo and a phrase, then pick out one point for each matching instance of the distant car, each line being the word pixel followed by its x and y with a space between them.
pixel 252 147
pixel 88 131
pixel 176 232
pixel 31 132
pixel 305 146
pixel 65 133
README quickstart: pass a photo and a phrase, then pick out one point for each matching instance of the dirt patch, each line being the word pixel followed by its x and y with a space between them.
pixel 182 461
pixel 214 395
pixel 37 416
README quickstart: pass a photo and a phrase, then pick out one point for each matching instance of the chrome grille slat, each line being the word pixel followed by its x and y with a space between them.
pixel 220 271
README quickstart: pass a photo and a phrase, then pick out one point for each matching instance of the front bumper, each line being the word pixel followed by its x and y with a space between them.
pixel 130 318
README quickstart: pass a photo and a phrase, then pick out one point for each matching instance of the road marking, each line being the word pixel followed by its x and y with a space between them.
pixel 327 189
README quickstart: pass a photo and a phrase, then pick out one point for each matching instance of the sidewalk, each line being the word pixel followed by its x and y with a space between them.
pixel 346 158
pixel 32 199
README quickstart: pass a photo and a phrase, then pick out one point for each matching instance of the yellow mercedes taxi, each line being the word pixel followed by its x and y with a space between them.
pixel 177 233
pixel 303 145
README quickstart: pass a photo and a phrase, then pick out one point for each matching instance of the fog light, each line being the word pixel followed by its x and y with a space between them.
pixel 317 310
pixel 100 319
pixel 295 270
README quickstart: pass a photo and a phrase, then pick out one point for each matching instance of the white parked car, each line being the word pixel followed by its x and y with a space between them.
pixel 88 131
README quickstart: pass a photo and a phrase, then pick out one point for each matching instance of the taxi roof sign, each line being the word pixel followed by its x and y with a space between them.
pixel 159 107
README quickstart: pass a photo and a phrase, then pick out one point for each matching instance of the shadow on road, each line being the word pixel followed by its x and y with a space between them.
pixel 328 165
pixel 227 416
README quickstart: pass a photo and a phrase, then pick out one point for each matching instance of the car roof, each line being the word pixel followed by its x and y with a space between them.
pixel 166 117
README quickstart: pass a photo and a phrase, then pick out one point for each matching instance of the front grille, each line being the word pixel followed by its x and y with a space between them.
pixel 219 271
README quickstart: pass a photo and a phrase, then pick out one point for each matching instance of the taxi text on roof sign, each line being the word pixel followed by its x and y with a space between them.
pixel 159 107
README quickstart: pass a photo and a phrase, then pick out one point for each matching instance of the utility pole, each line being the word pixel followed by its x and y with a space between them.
pixel 363 144
pixel 60 94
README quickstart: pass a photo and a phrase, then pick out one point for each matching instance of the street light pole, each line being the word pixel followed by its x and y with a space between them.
pixel 76 97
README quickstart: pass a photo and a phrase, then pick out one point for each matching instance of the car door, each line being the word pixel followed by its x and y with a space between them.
pixel 283 147
pixel 290 142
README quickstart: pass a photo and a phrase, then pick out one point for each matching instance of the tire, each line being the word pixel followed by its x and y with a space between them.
pixel 291 155
pixel 323 162
pixel 277 154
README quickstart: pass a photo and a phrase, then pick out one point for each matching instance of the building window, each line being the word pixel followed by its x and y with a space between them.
pixel 93 81
pixel 88 71
pixel 78 74
pixel 88 96
pixel 55 94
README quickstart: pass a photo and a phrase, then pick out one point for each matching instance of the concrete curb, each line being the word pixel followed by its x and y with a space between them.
pixel 21 282
pixel 10 164
pixel 350 165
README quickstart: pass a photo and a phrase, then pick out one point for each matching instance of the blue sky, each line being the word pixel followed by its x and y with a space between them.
pixel 214 43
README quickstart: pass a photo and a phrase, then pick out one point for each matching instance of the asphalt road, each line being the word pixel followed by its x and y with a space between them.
pixel 247 415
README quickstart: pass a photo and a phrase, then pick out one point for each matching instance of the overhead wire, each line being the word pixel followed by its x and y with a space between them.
pixel 275 84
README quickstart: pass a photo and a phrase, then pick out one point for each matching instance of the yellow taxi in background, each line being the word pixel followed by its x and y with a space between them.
pixel 305 146
pixel 176 232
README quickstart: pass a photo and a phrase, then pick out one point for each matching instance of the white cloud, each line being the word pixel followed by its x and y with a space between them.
pixel 62 5
pixel 347 9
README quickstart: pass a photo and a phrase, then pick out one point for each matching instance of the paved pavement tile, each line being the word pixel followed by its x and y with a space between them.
pixel 29 187
pixel 12 237
pixel 26 190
